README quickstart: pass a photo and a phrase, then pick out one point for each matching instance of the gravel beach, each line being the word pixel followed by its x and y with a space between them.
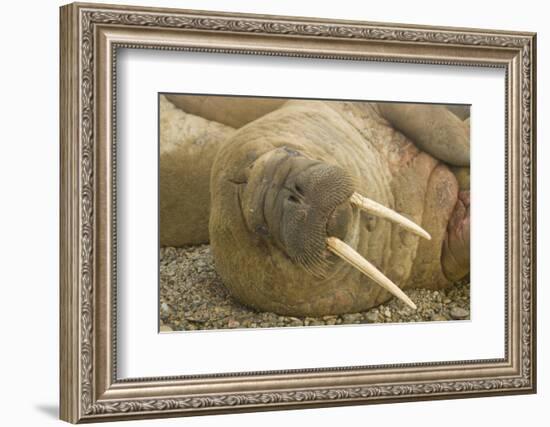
pixel 192 297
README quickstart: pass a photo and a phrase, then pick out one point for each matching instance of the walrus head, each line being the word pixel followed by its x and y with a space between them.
pixel 302 206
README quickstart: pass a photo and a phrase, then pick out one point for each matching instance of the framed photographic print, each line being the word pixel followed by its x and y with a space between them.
pixel 266 212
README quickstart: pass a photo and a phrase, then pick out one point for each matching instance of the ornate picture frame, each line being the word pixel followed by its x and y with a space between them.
pixel 90 37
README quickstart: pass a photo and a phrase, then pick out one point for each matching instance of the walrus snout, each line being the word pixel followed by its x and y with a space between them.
pixel 291 201
pixel 320 209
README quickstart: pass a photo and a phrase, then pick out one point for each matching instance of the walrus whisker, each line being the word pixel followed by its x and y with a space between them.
pixel 381 211
pixel 348 254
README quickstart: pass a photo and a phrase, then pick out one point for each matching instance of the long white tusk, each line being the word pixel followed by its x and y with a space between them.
pixel 351 256
pixel 377 209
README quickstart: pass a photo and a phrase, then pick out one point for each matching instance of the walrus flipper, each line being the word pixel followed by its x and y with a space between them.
pixel 234 111
pixel 433 128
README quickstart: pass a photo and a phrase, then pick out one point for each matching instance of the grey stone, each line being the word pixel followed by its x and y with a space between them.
pixel 351 318
pixel 459 313
pixel 372 317
pixel 165 308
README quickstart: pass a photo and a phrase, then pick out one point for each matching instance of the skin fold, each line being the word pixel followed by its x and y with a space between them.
pixel 188 147
pixel 280 185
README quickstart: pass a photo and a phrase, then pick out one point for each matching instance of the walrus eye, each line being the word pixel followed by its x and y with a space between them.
pixel 292 198
pixel 351 256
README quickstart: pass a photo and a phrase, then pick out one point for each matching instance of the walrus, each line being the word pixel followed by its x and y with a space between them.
pixel 332 207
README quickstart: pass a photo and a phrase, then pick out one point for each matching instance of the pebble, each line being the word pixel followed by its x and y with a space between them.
pixel 459 313
pixel 438 318
pixel 165 328
pixel 165 308
pixel 195 319
pixel 351 318
pixel 330 320
pixel 372 317
pixel 233 323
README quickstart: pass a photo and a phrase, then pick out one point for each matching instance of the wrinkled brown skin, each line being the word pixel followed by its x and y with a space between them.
pixel 188 145
pixel 385 166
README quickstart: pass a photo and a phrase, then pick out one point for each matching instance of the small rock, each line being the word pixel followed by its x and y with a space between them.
pixel 438 318
pixel 233 323
pixel 372 317
pixel 446 301
pixel 387 313
pixel 195 319
pixel 351 318
pixel 165 328
pixel 165 308
pixel 458 313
